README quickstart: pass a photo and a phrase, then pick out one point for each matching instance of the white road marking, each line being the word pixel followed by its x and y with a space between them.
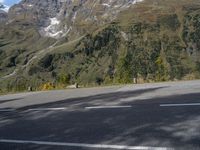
pixel 47 109
pixel 107 107
pixel 180 105
pixel 7 110
pixel 102 146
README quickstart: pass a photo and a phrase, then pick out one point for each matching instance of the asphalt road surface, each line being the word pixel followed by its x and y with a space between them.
pixel 162 116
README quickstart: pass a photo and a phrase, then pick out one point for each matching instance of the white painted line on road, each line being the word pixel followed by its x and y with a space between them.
pixel 180 105
pixel 108 107
pixel 47 109
pixel 101 146
pixel 7 110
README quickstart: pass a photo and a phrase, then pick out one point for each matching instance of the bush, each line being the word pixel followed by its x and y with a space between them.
pixel 64 78
pixel 47 86
pixel 99 80
pixel 124 70
pixel 198 66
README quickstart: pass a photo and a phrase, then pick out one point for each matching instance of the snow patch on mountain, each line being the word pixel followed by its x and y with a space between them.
pixel 105 4
pixel 53 29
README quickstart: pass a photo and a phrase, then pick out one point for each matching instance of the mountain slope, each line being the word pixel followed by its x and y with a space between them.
pixel 69 18
pixel 153 40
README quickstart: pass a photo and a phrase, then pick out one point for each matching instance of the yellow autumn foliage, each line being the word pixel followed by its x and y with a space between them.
pixel 47 86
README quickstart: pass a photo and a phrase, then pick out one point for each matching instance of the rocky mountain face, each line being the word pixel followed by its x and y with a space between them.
pixel 58 18
pixel 3 16
pixel 53 43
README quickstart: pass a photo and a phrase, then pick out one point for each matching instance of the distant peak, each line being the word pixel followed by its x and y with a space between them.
pixel 4 7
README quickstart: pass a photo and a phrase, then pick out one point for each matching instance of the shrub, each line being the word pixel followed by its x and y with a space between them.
pixel 47 86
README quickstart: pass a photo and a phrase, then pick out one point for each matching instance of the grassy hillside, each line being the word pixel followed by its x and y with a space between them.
pixel 157 40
